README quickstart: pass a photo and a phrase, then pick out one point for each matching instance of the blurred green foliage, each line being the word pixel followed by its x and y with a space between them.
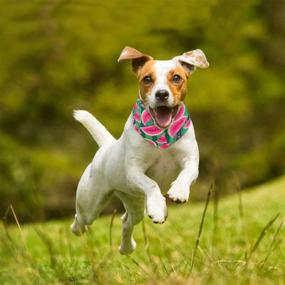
pixel 56 56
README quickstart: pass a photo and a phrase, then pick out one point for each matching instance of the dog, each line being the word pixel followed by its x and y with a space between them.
pixel 156 155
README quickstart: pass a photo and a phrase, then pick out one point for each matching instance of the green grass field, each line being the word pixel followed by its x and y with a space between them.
pixel 242 242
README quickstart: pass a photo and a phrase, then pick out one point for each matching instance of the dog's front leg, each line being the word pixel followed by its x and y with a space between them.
pixel 155 202
pixel 189 163
pixel 180 188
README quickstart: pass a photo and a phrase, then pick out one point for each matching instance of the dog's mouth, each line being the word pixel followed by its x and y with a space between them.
pixel 163 115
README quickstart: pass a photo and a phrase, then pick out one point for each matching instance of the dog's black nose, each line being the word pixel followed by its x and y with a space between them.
pixel 161 95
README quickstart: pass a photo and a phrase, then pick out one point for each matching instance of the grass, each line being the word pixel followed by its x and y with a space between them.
pixel 239 240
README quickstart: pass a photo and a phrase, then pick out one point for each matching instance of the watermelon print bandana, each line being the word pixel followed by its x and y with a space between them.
pixel 161 138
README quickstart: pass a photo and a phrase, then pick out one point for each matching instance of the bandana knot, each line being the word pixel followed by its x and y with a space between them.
pixel 161 138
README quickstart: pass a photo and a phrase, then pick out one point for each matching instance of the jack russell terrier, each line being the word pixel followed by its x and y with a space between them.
pixel 157 153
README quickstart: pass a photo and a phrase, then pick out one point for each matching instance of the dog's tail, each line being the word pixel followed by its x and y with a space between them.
pixel 95 128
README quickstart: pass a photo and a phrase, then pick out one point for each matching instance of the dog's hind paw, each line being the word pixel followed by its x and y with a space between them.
pixel 77 229
pixel 127 248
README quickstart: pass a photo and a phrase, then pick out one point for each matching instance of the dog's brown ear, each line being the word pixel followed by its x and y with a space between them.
pixel 138 58
pixel 192 59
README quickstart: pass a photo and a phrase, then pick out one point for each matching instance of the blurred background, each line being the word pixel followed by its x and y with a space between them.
pixel 56 56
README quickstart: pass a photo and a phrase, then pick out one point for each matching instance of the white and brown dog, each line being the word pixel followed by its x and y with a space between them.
pixel 138 173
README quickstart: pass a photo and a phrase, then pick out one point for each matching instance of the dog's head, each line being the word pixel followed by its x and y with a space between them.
pixel 163 83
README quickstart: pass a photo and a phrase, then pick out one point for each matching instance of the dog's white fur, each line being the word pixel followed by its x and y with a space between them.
pixel 135 171
pixel 161 69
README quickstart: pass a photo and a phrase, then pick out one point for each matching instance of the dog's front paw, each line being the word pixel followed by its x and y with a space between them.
pixel 156 208
pixel 178 193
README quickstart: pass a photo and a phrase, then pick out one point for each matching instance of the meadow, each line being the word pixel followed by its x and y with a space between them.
pixel 238 239
pixel 58 56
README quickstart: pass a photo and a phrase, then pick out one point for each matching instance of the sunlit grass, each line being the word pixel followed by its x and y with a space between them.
pixel 235 247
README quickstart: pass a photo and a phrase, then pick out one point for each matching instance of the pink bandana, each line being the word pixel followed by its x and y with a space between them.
pixel 161 138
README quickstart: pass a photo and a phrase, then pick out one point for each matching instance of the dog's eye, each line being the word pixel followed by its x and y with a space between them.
pixel 176 78
pixel 147 79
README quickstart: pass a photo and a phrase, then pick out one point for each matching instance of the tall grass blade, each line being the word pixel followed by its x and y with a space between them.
pixel 260 237
pixel 16 219
pixel 216 198
pixel 11 209
pixel 139 266
pixel 201 227
pixel 274 243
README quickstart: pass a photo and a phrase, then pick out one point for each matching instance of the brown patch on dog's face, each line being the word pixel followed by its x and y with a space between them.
pixel 162 86
pixel 146 76
pixel 177 82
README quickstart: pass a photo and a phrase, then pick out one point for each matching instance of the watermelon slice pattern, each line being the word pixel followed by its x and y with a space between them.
pixel 161 138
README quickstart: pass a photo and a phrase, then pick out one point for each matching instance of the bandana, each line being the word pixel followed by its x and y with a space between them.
pixel 161 138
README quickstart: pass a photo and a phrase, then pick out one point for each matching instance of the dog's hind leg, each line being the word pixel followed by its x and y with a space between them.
pixel 133 215
pixel 128 244
pixel 91 197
